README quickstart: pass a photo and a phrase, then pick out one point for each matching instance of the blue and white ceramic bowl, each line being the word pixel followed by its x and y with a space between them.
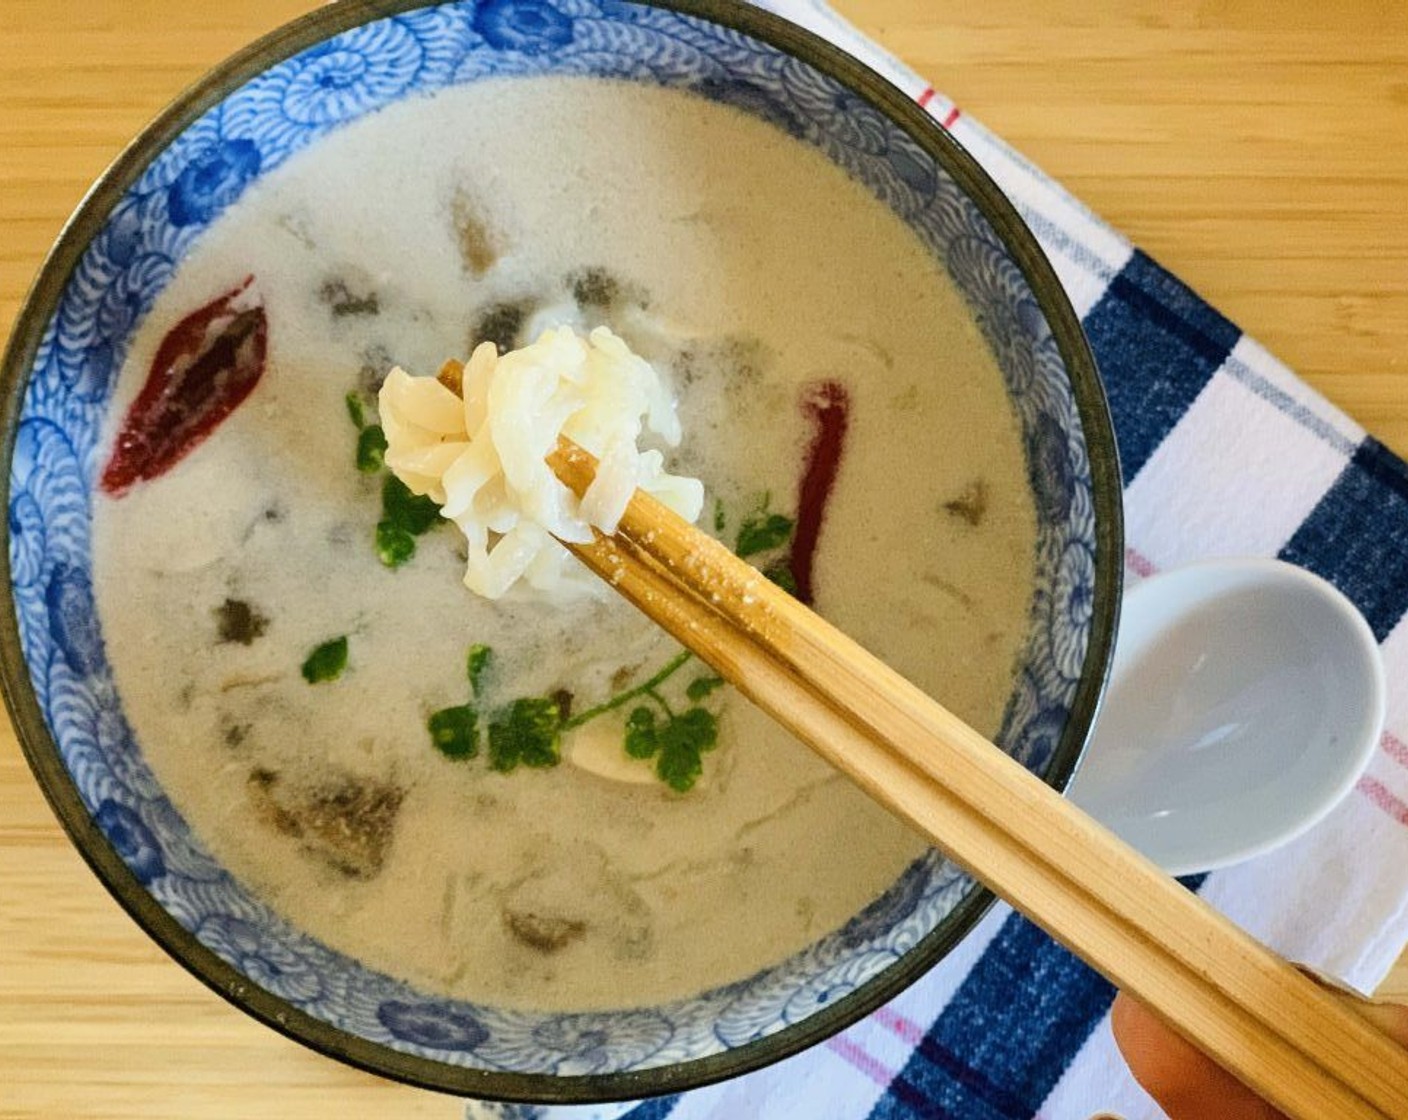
pixel 286 94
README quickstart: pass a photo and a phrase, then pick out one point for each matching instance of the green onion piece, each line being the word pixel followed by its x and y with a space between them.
pixel 762 533
pixel 357 410
pixel 476 664
pixel 394 546
pixel 371 449
pixel 455 731
pixel 327 662
pixel 416 514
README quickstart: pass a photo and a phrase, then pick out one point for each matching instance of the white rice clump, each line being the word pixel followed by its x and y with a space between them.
pixel 481 457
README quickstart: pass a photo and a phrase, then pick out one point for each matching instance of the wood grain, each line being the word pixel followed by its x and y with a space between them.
pixel 1255 148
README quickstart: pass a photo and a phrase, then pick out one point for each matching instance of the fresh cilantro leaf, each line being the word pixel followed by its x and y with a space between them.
pixel 527 733
pixel 476 664
pixel 326 662
pixel 416 514
pixel 698 727
pixel 455 731
pixel 761 533
pixel 780 573
pixel 719 520
pixel 700 687
pixel 683 741
pixel 371 449
pixel 676 743
pixel 646 688
pixel 357 410
pixel 641 738
pixel 679 768
pixel 394 546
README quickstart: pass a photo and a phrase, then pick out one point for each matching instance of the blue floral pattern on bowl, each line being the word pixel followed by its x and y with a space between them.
pixel 253 131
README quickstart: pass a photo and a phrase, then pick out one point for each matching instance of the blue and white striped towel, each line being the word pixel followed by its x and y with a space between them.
pixel 1225 452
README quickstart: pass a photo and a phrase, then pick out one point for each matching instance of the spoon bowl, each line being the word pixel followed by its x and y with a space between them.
pixel 1246 699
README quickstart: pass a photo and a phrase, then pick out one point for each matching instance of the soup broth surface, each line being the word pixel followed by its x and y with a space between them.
pixel 747 268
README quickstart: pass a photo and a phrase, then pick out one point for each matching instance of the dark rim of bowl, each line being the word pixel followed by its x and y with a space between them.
pixel 62 794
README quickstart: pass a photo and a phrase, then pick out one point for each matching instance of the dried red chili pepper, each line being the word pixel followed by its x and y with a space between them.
pixel 203 370
pixel 828 406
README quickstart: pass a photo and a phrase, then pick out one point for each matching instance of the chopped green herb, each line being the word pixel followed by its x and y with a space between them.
pixel 404 516
pixel 780 572
pixel 371 449
pixel 394 546
pixel 455 731
pixel 699 728
pixel 683 742
pixel 326 662
pixel 621 698
pixel 357 410
pixel 700 687
pixel 527 733
pixel 476 664
pixel 678 742
pixel 762 533
pixel 416 514
pixel 641 738
pixel 679 768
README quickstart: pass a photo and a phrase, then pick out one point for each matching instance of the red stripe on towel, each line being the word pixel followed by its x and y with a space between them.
pixel 1395 748
pixel 1384 798
pixel 1139 564
pixel 898 1024
pixel 854 1056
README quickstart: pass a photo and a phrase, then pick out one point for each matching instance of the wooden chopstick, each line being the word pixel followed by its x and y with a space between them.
pixel 1300 1045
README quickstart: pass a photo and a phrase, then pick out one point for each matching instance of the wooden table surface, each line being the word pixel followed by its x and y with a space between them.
pixel 1258 149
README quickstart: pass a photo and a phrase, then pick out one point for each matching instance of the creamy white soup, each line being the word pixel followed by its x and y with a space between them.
pixel 282 662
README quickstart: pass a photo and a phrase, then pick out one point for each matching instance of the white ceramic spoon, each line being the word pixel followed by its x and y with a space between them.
pixel 1246 699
